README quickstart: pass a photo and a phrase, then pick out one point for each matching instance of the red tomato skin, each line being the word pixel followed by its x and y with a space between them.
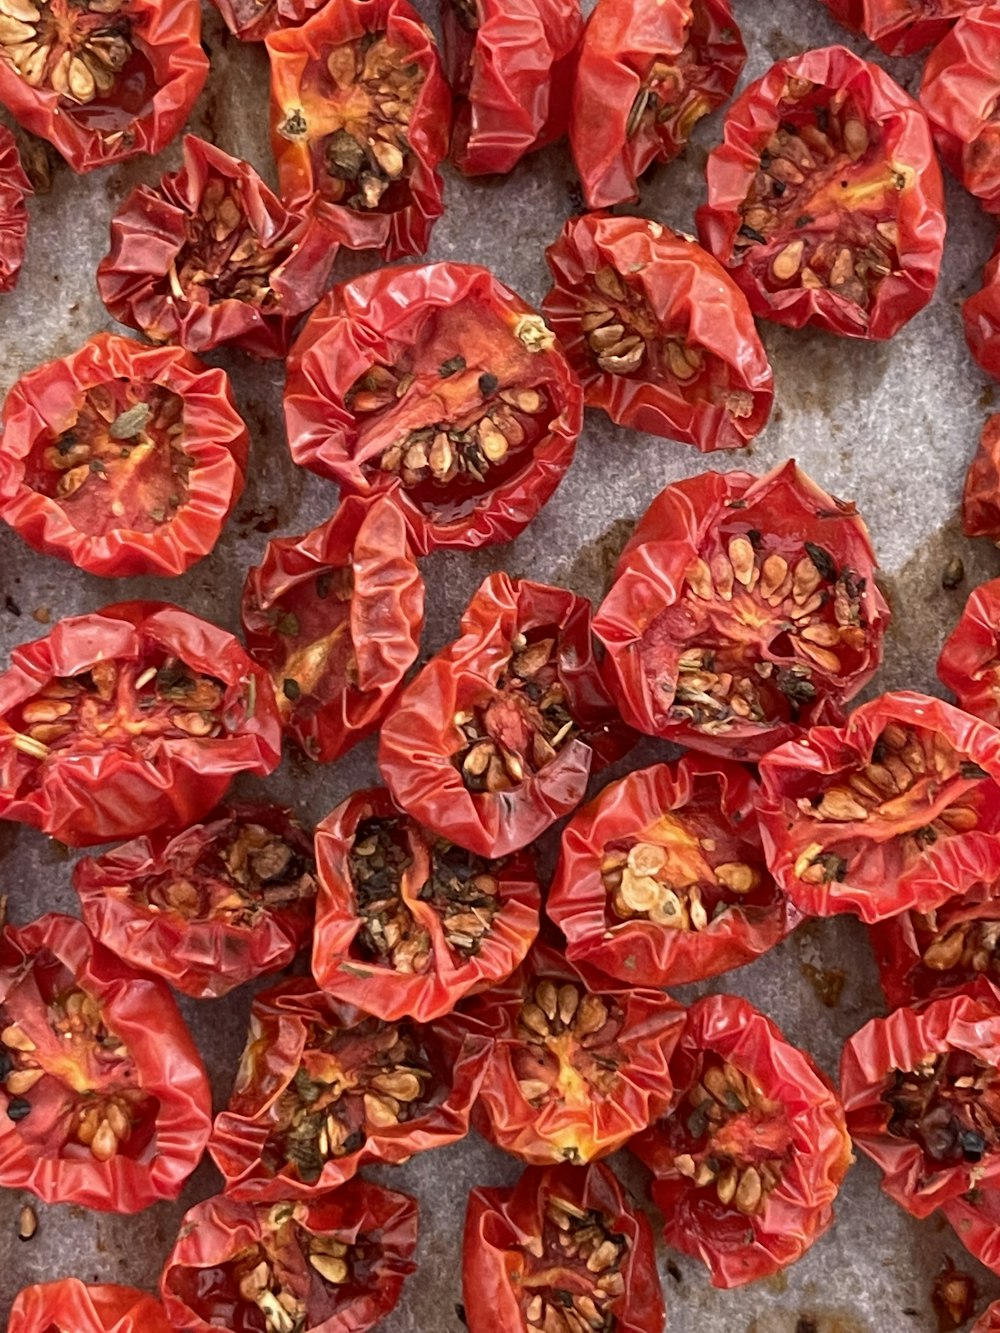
pixel 691 296
pixel 45 401
pixel 981 493
pixel 895 25
pixel 253 21
pixel 967 662
pixel 621 42
pixel 14 187
pixel 981 321
pixel 975 1218
pixel 751 120
pixel 734 1248
pixel 86 1309
pixel 989 1320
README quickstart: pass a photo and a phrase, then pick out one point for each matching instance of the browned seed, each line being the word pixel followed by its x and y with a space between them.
pixel 843 268
pixel 749 1191
pixel 20 1081
pixel 806 578
pixel 825 635
pixel 680 367
pixel 946 951
pixel 856 138
pixel 591 1015
pixel 741 553
pixel 118 1121
pixel 699 576
pixel 547 996
pixel 685 1164
pixel 533 1018
pixel 895 736
pixel 737 876
pixel 772 574
pixel 16 1039
pixel 532 1088
pixel 960 817
pixel 441 455
pixel 608 282
pixel 839 803
pixel 787 262
pixel 723 577
pixel 27 1222
pixel 379 1111
pixel 594 319
pixel 493 443
pixel 330 1268
pixel 104 1144
pixel 477 760
pixel 569 1000
pixel 624 358
pixel 45 710
pixel 399 1083
pixel 822 657
pixel 726 1185
pixel 889 231
pixel 606 336
pixel 603 1257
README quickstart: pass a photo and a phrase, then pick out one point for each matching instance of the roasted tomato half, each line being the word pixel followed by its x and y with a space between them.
pixel 897 810
pixel 661 879
pixel 334 1266
pixel 981 319
pixel 211 257
pixel 72 1305
pixel 335 616
pixel 121 458
pixel 649 70
pixel 921 1089
pixel 959 92
pixel 900 27
pixel 209 908
pixel 360 115
pixel 660 335
pixel 510 64
pixel 563 1249
pixel 981 494
pixel 323 1089
pixel 441 386
pixel 825 200
pixel 406 922
pixel 975 1217
pixel 104 1100
pixel 129 719
pixel 743 609
pixel 748 1163
pixel 497 736
pixel 102 80
pixel 970 660
pixel 572 1074
pixel 14 186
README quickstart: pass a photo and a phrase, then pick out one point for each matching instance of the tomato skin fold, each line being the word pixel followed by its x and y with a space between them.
pixel 967 665
pixel 895 25
pixel 14 187
pixel 981 493
pixel 103 1308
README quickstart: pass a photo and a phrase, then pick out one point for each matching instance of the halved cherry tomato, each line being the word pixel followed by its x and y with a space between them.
pixel 661 878
pixel 121 458
pixel 14 185
pixel 132 718
pixel 103 80
pixel 441 386
pixel 360 115
pixel 900 27
pixel 69 1304
pixel 649 70
pixel 658 332
pixel 897 810
pixel 921 1089
pixel 510 64
pixel 562 1238
pixel 981 320
pixel 209 908
pixel 335 616
pixel 498 735
pixel 323 1089
pixel 211 257
pixel 970 660
pixel 408 923
pixel 981 494
pixel 743 609
pixel 334 1266
pixel 750 1158
pixel 572 1074
pixel 825 201
pixel 104 1100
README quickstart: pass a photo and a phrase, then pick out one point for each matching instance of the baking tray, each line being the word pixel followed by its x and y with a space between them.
pixel 891 426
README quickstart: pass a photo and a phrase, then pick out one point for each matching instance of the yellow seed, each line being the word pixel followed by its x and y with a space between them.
pixel 737 877
pixel 21 1081
pixel 16 1039
pixel 331 1269
pixel 856 139
pixel 787 262
pixel 840 804
pixel 27 1222
pixel 105 1142
pixel 744 563
pixel 726 1187
pixel 699 576
pixel 772 574
pixel 749 1191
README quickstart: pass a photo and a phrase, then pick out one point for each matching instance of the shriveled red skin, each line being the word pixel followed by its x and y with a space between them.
pixel 975 1219
pixel 14 186
pixel 898 26
pixel 989 1320
pixel 70 1303
pixel 969 664
pixel 981 493
pixel 981 321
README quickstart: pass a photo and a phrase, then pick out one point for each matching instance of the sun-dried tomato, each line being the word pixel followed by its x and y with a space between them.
pixel 360 115
pixel 498 735
pixel 211 257
pixel 981 494
pixel 323 1089
pixel 335 616
pixel 921 1089
pixel 510 64
pixel 121 458
pixel 900 27
pixel 981 321
pixel 252 20
pixel 14 185
pixel 969 664
pixel 658 332
pixel 441 386
pixel 104 1099
pixel 661 878
pixel 743 609
pixel 102 80
pixel 750 1158
pixel 207 909
pixel 126 720
pixel 406 922
pixel 975 1217
pixel 71 1304
pixel 825 201
pixel 649 70
pixel 334 1266
pixel 563 1240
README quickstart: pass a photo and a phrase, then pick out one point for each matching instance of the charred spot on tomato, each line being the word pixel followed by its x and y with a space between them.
pixel 949 1105
pixel 579 1241
pixel 380 856
pixel 568 1045
pixel 78 48
pixel 465 892
pixel 966 947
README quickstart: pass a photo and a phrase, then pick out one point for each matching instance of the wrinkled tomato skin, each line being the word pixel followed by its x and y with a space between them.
pixel 697 800
pixel 198 1297
pixel 152 98
pixel 204 956
pixel 981 321
pixel 14 187
pixel 905 175
pixel 35 1151
pixel 298 57
pixel 342 968
pixel 511 78
pixel 981 493
pixel 651 613
pixel 736 1248
pixel 330 703
pixel 252 20
pixel 151 231
pixel 101 791
pixel 988 1321
pixel 72 1304
pixel 975 1218
pixel 969 664
pixel 504 1227
pixel 682 294
pixel 421 741
pixel 44 406
pixel 410 312
pixel 622 41
pixel 959 89
pixel 966 1022
pixel 895 25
